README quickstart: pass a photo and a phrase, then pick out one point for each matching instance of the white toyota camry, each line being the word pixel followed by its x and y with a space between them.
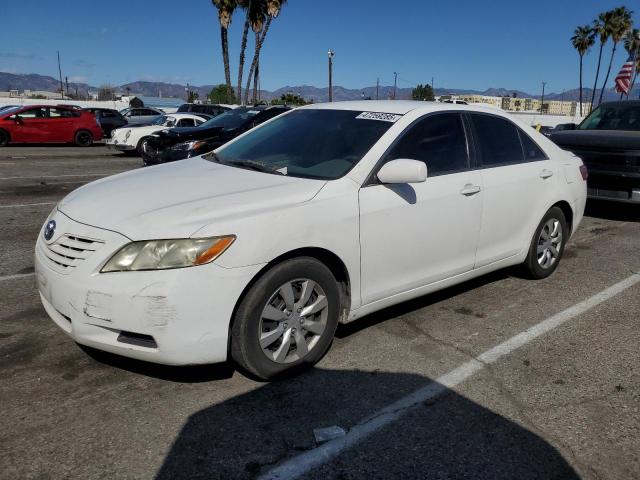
pixel 322 215
pixel 131 138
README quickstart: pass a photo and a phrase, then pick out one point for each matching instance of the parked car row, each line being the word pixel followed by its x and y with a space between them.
pixel 256 251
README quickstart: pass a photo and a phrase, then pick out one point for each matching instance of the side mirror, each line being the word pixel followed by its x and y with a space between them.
pixel 403 170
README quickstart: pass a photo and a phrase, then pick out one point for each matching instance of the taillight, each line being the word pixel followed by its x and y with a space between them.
pixel 584 172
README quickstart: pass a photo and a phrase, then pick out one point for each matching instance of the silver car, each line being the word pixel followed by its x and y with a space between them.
pixel 141 115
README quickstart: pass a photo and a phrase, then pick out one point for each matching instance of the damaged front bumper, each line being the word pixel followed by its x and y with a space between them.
pixel 172 317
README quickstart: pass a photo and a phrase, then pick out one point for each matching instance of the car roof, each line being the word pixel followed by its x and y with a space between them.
pixel 400 107
pixel 193 115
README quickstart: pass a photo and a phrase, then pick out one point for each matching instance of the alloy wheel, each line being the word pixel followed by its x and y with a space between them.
pixel 549 243
pixel 293 320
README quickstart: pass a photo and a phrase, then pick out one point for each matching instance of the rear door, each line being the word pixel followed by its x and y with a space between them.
pixel 518 181
pixel 60 124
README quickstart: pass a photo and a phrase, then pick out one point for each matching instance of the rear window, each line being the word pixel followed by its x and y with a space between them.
pixel 498 141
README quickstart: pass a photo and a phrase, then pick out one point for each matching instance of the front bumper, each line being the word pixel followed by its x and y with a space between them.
pixel 172 317
pixel 115 145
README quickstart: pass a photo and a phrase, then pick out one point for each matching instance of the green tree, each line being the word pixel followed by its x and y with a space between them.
pixel 220 94
pixel 225 13
pixel 289 99
pixel 602 29
pixel 193 96
pixel 620 23
pixel 423 92
pixel 583 39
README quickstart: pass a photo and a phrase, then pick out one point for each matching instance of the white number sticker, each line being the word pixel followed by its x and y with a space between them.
pixel 385 117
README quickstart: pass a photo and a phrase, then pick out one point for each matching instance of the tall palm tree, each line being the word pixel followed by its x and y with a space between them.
pixel 270 9
pixel 225 13
pixel 582 40
pixel 601 27
pixel 632 45
pixel 620 23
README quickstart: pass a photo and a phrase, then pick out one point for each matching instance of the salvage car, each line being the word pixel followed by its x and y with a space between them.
pixel 108 118
pixel 326 213
pixel 608 142
pixel 48 124
pixel 132 139
pixel 141 115
pixel 177 144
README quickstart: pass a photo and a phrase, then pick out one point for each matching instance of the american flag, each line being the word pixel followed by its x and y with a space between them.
pixel 623 80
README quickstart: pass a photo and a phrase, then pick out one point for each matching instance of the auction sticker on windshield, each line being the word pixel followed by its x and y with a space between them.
pixel 385 117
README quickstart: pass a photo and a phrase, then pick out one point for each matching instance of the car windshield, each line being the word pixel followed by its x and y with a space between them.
pixel 232 119
pixel 313 143
pixel 164 120
pixel 613 117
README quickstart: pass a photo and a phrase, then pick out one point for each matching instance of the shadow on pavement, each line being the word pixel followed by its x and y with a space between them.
pixel 449 437
pixel 624 212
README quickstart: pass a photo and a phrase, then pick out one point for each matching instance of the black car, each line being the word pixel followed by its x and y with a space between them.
pixel 179 143
pixel 108 119
pixel 213 110
pixel 608 141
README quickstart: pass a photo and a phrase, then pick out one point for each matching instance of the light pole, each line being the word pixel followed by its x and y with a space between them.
pixel 542 99
pixel 188 92
pixel 395 83
pixel 377 87
pixel 331 54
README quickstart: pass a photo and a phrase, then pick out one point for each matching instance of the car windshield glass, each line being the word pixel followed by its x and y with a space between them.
pixel 613 117
pixel 163 120
pixel 313 143
pixel 232 119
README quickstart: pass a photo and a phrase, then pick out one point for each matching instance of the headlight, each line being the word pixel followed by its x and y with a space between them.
pixel 165 254
pixel 185 146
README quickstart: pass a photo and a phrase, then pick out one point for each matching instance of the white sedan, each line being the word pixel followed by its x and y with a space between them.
pixel 131 138
pixel 322 215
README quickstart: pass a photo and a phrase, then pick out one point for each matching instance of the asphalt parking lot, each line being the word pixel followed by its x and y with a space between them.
pixel 564 404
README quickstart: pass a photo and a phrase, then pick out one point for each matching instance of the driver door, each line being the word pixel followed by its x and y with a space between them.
pixel 413 235
pixel 31 126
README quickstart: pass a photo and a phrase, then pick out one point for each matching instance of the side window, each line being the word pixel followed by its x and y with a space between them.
pixel 148 112
pixel 60 113
pixel 107 114
pixel 439 141
pixel 498 141
pixel 532 152
pixel 185 122
pixel 33 113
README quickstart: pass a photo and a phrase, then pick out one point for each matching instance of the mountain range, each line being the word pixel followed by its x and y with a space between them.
pixel 34 81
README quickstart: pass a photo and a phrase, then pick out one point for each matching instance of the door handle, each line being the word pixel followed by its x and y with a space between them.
pixel 470 189
pixel 546 174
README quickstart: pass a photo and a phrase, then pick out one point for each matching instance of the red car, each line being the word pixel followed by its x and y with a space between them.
pixel 49 124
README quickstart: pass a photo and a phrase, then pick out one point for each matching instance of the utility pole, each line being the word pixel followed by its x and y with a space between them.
pixel 395 83
pixel 66 82
pixel 542 99
pixel 60 72
pixel 331 54
pixel 433 87
pixel 377 87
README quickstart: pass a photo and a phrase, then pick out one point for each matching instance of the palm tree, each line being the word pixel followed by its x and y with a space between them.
pixel 601 27
pixel 269 9
pixel 632 45
pixel 225 13
pixel 582 40
pixel 620 23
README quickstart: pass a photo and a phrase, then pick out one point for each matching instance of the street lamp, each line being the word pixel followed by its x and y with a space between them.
pixel 395 83
pixel 330 54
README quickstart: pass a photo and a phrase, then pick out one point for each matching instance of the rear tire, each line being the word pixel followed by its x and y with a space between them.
pixel 547 244
pixel 83 138
pixel 4 138
pixel 271 334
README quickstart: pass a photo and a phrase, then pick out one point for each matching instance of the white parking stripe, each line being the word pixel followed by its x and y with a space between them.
pixel 16 276
pixel 27 205
pixel 303 463
pixel 61 176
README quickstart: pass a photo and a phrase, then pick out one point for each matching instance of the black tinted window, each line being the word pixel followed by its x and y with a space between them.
pixel 532 151
pixel 498 141
pixel 439 141
pixel 186 122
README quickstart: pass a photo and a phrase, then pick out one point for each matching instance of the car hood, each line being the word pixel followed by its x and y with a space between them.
pixel 597 139
pixel 177 199
pixel 188 133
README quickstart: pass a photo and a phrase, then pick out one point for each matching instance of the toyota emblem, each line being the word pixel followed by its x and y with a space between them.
pixel 49 230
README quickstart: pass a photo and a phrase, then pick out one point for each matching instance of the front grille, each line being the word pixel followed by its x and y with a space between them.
pixel 609 160
pixel 69 251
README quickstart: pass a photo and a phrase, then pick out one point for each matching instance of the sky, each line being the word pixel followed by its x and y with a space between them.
pixel 466 44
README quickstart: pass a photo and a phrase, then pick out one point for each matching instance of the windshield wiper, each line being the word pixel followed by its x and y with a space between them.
pixel 253 166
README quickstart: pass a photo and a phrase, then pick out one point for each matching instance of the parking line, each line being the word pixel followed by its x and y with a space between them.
pixel 304 462
pixel 61 176
pixel 17 276
pixel 27 205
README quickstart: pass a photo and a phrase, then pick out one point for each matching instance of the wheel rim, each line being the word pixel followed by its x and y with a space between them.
pixel 84 138
pixel 549 243
pixel 293 320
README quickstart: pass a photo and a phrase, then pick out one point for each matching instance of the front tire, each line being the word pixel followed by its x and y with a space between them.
pixel 287 319
pixel 83 138
pixel 4 138
pixel 547 244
